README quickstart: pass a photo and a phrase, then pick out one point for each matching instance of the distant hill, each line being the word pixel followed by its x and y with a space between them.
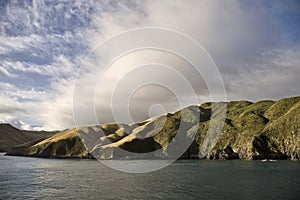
pixel 261 130
pixel 11 136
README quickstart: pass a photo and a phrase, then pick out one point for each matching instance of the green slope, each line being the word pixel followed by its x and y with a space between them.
pixel 265 129
pixel 11 136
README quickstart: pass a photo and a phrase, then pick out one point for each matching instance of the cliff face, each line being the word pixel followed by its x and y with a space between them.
pixel 262 130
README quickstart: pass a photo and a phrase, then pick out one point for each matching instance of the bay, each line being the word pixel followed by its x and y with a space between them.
pixel 35 178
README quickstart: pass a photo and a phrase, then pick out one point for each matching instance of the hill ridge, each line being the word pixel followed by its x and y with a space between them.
pixel 261 130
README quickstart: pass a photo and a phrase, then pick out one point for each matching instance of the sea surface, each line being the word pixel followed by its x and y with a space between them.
pixel 35 178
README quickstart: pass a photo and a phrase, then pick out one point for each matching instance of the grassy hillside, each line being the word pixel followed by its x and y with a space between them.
pixel 11 136
pixel 265 129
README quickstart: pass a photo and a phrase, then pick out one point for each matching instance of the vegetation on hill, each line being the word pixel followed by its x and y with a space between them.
pixel 11 136
pixel 261 130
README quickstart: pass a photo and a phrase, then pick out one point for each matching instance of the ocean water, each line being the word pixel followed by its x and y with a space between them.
pixel 34 178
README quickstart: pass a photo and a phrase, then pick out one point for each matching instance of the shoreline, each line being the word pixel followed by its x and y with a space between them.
pixel 63 157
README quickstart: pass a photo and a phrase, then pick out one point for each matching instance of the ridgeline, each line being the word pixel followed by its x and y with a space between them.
pixel 261 130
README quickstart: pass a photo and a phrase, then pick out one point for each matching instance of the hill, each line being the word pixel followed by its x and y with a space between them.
pixel 261 130
pixel 11 136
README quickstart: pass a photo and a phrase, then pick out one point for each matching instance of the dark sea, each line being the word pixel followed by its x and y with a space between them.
pixel 34 178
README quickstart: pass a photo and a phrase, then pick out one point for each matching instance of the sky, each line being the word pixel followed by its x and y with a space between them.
pixel 44 45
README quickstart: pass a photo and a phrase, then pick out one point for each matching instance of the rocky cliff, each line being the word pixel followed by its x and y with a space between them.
pixel 261 130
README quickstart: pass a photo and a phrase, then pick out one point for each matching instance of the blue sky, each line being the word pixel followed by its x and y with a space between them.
pixel 256 47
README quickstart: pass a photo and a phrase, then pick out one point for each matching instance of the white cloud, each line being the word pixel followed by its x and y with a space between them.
pixel 273 75
pixel 61 66
pixel 10 106
pixel 17 94
pixel 19 43
pixel 10 110
pixel 5 72
pixel 19 123
pixel 57 112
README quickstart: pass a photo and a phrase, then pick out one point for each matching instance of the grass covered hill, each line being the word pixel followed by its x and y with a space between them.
pixel 11 136
pixel 261 130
